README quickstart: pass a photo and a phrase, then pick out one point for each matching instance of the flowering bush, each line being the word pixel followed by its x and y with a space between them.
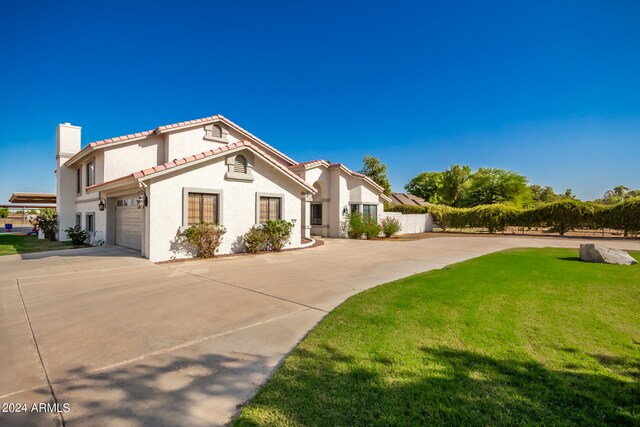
pixel 47 222
pixel 390 226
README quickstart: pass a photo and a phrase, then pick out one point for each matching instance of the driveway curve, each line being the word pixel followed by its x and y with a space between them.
pixel 125 342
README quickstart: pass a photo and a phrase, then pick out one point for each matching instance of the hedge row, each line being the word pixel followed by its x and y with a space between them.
pixel 561 216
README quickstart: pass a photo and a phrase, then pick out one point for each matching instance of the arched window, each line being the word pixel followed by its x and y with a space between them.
pixel 213 131
pixel 240 165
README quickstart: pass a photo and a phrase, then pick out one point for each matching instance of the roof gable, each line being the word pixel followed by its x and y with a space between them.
pixel 339 166
pixel 109 142
pixel 179 164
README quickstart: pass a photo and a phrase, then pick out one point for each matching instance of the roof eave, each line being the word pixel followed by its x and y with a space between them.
pixel 291 176
pixel 111 185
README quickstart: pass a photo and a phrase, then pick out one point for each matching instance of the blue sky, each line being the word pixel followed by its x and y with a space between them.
pixel 549 89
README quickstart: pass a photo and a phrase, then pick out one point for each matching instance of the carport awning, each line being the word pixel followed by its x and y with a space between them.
pixel 31 198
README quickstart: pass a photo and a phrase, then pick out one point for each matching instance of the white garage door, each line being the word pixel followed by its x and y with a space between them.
pixel 128 223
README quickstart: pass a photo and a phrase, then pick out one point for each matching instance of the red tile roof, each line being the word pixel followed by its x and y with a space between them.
pixel 320 162
pixel 190 122
pixel 178 125
pixel 179 162
pixel 310 163
pixel 121 138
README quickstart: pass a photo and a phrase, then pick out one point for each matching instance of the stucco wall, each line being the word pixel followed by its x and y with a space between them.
pixel 338 191
pixel 100 219
pixel 347 190
pixel 125 159
pixel 83 202
pixel 185 143
pixel 412 223
pixel 237 205
pixel 319 177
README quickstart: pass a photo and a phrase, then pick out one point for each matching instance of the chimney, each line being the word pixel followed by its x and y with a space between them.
pixel 67 142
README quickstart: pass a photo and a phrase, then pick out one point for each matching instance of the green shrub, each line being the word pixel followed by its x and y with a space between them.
pixel 278 233
pixel 206 238
pixel 371 227
pixel 355 225
pixel 565 215
pixel 390 226
pixel 623 216
pixel 495 217
pixel 47 222
pixel 406 209
pixel 560 216
pixel 4 212
pixel 255 240
pixel 358 226
pixel 77 235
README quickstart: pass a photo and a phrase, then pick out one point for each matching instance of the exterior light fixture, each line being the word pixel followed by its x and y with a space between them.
pixel 293 221
pixel 142 199
pixel 101 204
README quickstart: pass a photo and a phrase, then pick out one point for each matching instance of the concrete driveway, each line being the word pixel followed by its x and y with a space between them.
pixel 125 342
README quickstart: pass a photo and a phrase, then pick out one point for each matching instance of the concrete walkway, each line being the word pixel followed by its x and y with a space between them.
pixel 128 343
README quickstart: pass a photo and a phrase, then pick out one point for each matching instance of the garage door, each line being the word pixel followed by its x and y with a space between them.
pixel 128 223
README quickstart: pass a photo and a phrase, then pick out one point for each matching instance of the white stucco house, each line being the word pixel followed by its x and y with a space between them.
pixel 142 190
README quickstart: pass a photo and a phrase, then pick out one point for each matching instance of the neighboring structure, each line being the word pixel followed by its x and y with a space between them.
pixel 407 199
pixel 411 223
pixel 21 207
pixel 142 190
pixel 33 199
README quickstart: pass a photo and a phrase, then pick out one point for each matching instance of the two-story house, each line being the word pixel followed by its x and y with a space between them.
pixel 143 189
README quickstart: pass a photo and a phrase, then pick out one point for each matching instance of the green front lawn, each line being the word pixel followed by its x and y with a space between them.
pixel 522 337
pixel 19 244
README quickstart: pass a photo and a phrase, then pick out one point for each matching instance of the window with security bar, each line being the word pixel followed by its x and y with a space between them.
pixel 270 208
pixel 203 208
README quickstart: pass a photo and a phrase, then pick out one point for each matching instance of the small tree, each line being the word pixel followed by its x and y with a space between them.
pixel 4 212
pixel 47 222
pixel 426 185
pixel 377 171
pixel 492 185
pixel 453 180
pixel 206 238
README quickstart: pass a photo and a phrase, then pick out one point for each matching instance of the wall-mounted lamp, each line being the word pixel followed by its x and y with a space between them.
pixel 293 221
pixel 142 199
pixel 101 204
pixel 345 210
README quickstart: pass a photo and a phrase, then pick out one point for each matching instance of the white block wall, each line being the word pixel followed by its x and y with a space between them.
pixel 412 223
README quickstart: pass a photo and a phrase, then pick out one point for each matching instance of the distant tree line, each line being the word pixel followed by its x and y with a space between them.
pixel 496 198
pixel 459 186
pixel 559 216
